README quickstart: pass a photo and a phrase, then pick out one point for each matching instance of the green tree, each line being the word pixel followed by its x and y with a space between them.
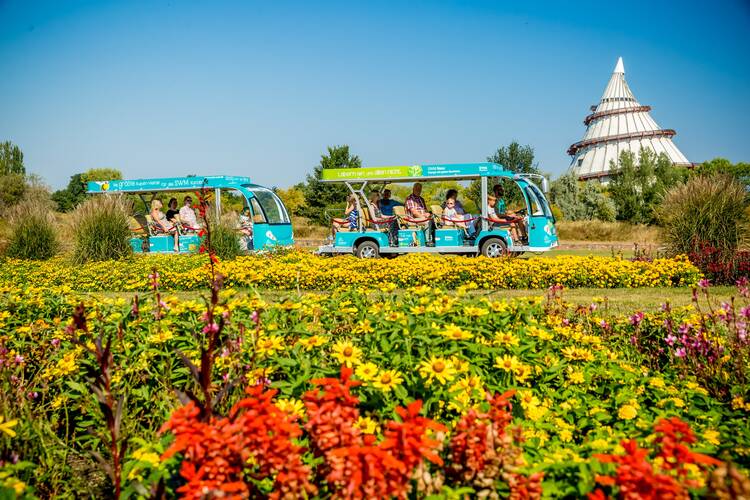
pixel 321 196
pixel 740 171
pixel 640 184
pixel 75 193
pixel 11 159
pixel 581 200
pixel 293 198
pixel 514 157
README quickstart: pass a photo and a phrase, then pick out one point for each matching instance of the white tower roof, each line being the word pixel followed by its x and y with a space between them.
pixel 619 123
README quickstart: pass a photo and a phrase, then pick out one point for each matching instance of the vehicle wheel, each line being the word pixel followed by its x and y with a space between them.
pixel 367 250
pixel 494 247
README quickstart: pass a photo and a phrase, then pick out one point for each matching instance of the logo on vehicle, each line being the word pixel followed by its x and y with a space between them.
pixel 415 171
pixel 270 236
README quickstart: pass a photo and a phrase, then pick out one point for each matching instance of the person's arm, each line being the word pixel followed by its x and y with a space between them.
pixel 155 218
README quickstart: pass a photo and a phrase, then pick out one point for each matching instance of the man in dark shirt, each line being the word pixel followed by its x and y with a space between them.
pixel 387 204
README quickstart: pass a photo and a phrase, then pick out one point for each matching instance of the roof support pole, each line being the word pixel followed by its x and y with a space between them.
pixel 483 182
pixel 217 192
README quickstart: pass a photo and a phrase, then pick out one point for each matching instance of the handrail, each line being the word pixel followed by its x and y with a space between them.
pixel 574 148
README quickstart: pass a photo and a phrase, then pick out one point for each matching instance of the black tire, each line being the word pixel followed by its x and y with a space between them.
pixel 494 248
pixel 367 250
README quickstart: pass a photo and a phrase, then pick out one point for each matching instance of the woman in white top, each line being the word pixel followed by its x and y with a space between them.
pixel 160 220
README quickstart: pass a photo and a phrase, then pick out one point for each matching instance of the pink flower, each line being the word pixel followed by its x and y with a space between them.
pixel 636 319
pixel 704 283
pixel 211 328
pixel 680 352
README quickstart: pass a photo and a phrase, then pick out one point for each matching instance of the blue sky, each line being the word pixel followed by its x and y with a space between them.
pixel 163 88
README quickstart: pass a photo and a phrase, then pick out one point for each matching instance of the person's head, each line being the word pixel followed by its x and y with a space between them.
pixel 452 193
pixel 450 203
pixel 156 204
pixel 417 188
pixel 351 200
pixel 172 203
pixel 386 194
pixel 374 197
pixel 491 200
pixel 188 201
pixel 498 190
pixel 246 211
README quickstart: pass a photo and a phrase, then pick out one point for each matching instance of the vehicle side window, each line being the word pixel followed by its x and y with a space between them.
pixel 536 207
pixel 258 216
pixel 542 201
pixel 272 206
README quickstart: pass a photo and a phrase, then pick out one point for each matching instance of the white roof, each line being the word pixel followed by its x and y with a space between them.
pixel 619 123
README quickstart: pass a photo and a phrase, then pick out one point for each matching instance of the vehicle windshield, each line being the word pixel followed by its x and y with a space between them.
pixel 271 204
pixel 537 200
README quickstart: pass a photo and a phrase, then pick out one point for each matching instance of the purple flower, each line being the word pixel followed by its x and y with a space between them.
pixel 603 324
pixel 211 328
pixel 670 339
pixel 680 352
pixel 592 307
pixel 633 340
pixel 19 359
pixel 55 342
pixel 636 319
pixel 704 283
pixel 255 317
pixel 33 395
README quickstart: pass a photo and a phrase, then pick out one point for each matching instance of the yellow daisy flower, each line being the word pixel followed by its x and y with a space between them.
pixel 387 380
pixel 347 353
pixel 366 371
pixel 437 368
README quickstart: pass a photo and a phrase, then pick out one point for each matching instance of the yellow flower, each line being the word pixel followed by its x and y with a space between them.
pixel 627 412
pixel 347 353
pixel 366 425
pixel 461 366
pixel 387 380
pixel 454 332
pixel 475 312
pixel 366 371
pixel 311 342
pixel 506 338
pixel 521 373
pixel 437 368
pixel 657 382
pixel 7 427
pixel 565 435
pixel 576 377
pixel 364 327
pixel 712 437
pixel 269 345
pixel 506 363
pixel 291 406
pixel 144 455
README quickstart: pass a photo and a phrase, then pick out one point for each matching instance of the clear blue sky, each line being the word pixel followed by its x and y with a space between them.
pixel 161 88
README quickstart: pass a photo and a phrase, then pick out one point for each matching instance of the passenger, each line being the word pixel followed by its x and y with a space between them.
pixel 387 204
pixel 161 222
pixel 187 215
pixel 172 210
pixel 502 210
pixel 417 209
pixel 246 229
pixel 382 222
pixel 352 214
pixel 469 225
pixel 499 220
pixel 451 215
pixel 453 193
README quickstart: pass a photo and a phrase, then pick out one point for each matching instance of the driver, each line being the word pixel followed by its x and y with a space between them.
pixel 496 219
pixel 501 210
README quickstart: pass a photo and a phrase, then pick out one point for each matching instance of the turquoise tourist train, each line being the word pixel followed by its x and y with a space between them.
pixel 371 234
pixel 270 226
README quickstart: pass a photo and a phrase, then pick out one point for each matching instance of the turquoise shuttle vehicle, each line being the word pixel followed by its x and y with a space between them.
pixel 272 226
pixel 472 234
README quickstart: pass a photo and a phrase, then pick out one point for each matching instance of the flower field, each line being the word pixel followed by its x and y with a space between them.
pixel 302 270
pixel 367 394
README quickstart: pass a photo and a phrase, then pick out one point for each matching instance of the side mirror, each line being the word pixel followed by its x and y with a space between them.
pixel 545 185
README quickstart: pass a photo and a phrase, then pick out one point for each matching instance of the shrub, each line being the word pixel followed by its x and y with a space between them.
pixel 101 230
pixel 12 189
pixel 581 200
pixel 225 240
pixel 32 230
pixel 706 209
pixel 596 230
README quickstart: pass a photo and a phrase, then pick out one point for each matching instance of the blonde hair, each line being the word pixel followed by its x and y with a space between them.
pixel 156 204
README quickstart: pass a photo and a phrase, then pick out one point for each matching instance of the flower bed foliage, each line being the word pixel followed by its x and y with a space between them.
pixel 299 269
pixel 355 394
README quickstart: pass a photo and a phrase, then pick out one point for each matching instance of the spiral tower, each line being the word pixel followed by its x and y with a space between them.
pixel 619 123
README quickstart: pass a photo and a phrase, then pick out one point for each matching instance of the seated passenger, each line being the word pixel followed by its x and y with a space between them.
pixel 379 221
pixel 469 225
pixel 352 214
pixel 502 210
pixel 172 210
pixel 162 224
pixel 453 193
pixel 187 215
pixel 417 209
pixel 451 217
pixel 387 204
pixel 246 229
pixel 500 220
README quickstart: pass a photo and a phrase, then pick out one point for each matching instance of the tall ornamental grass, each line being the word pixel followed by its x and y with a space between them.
pixel 32 230
pixel 101 230
pixel 706 210
pixel 225 240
